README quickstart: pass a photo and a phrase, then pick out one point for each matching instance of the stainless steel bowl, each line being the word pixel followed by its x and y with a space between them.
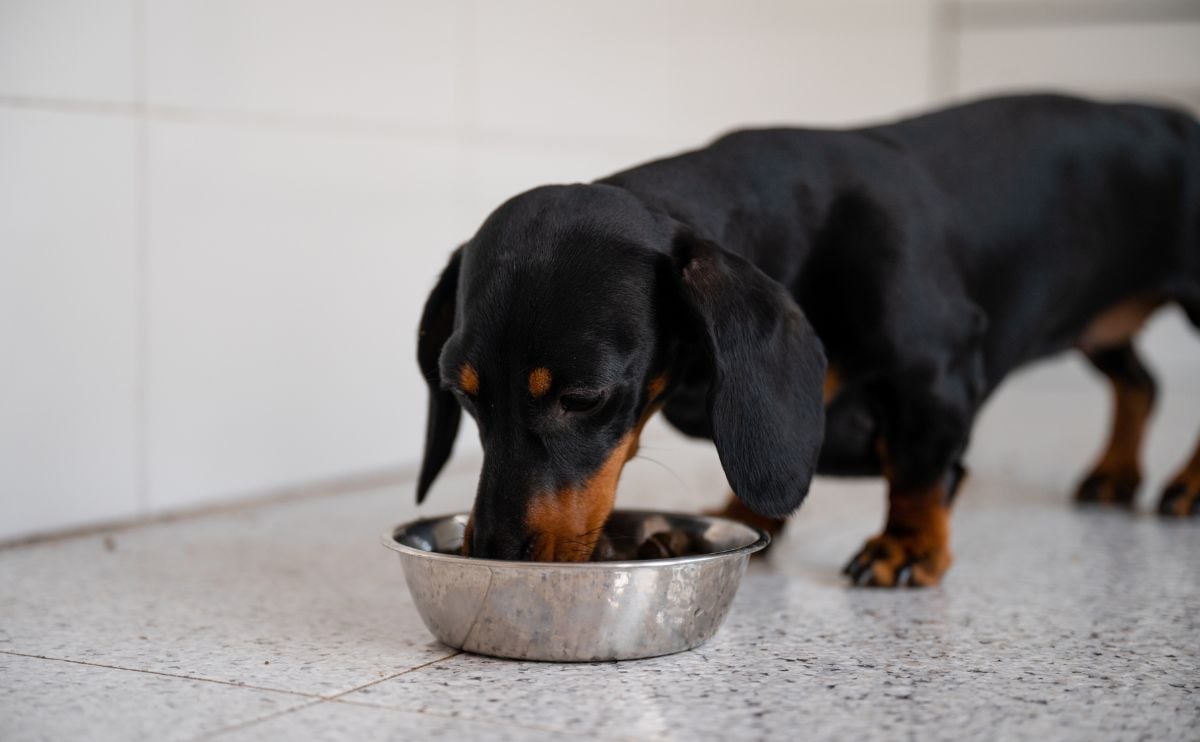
pixel 577 612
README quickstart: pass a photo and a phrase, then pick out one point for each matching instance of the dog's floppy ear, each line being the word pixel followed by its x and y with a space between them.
pixel 437 322
pixel 765 402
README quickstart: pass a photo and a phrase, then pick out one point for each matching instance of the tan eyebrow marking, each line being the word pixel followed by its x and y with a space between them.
pixel 539 381
pixel 468 379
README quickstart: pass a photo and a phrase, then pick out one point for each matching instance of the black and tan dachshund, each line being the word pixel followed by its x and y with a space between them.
pixel 839 302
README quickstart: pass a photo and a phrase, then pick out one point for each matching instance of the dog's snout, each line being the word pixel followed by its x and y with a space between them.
pixel 489 543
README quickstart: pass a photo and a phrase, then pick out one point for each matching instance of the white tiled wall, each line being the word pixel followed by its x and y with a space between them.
pixel 1103 60
pixel 219 218
pixel 677 71
pixel 70 50
pixel 68 364
pixel 285 283
pixel 377 60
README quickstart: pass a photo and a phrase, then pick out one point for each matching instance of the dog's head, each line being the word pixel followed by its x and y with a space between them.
pixel 565 323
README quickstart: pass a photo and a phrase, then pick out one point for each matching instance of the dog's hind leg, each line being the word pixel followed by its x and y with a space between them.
pixel 1117 475
pixel 1181 497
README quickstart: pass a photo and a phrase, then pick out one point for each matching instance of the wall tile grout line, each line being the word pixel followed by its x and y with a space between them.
pixel 142 278
pixel 466 98
pixel 946 30
pixel 69 105
pixel 346 484
pixel 466 72
pixel 995 14
pixel 340 126
pixel 460 136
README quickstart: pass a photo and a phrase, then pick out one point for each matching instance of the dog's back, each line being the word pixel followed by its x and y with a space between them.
pixel 1064 206
pixel 1045 210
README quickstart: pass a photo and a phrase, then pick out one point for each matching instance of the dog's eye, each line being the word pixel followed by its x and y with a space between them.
pixel 580 401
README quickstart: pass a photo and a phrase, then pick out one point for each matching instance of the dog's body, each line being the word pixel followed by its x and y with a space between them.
pixel 931 257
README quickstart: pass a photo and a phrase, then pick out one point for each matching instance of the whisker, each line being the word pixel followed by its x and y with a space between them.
pixel 664 467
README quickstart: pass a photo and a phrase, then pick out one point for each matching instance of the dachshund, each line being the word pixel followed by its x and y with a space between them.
pixel 813 301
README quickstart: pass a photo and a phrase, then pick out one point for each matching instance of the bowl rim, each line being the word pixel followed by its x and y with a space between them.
pixel 388 538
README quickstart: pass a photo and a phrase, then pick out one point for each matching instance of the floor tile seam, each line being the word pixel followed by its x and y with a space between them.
pixel 246 724
pixel 335 696
pixel 341 698
pixel 324 699
pixel 440 714
pixel 160 673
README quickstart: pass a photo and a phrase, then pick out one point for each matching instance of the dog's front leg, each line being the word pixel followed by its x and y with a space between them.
pixel 913 550
pixel 925 431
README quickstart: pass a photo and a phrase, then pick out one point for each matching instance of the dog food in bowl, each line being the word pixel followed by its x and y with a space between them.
pixel 661 545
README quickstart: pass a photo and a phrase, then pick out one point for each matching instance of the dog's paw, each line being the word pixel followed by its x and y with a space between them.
pixel 891 561
pixel 1180 499
pixel 1109 488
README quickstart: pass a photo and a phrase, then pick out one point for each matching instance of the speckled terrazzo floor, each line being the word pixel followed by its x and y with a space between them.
pixel 289 621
